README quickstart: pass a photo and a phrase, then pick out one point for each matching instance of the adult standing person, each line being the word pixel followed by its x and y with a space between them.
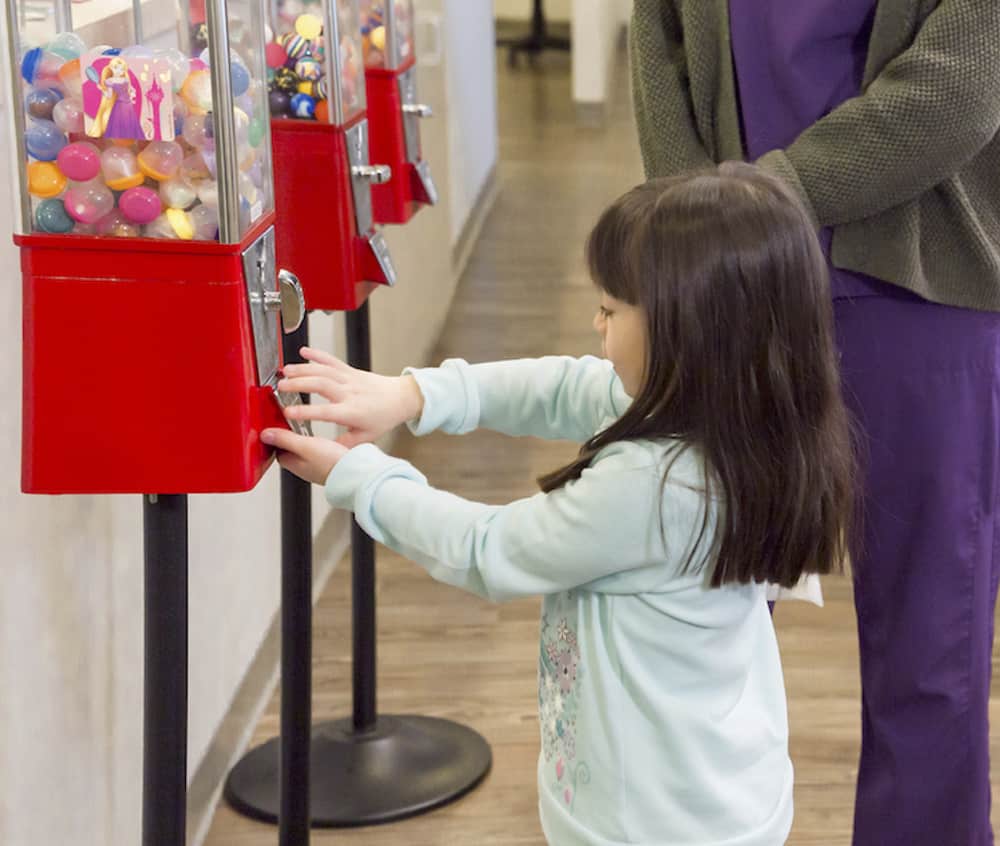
pixel 883 115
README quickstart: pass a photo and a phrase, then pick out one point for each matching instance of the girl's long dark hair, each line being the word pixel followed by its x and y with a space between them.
pixel 741 363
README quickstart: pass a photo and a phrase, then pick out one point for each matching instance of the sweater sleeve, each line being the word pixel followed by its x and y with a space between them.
pixel 930 111
pixel 552 397
pixel 602 524
pixel 668 136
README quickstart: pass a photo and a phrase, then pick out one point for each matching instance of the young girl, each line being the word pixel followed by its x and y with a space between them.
pixel 715 458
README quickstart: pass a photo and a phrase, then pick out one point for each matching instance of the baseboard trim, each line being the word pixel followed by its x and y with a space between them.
pixel 473 226
pixel 233 736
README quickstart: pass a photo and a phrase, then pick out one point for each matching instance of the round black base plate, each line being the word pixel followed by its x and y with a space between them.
pixel 405 766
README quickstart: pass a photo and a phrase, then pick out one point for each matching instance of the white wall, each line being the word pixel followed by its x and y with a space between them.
pixel 71 603
pixel 470 80
pixel 596 28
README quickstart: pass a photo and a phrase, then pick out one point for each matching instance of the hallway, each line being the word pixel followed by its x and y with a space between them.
pixel 443 653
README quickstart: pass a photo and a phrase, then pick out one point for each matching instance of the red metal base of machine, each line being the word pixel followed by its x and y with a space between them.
pixel 402 196
pixel 316 234
pixel 139 367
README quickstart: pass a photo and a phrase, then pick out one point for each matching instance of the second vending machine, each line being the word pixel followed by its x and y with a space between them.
pixel 322 173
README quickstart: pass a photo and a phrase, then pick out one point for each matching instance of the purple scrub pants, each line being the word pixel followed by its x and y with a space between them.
pixel 923 382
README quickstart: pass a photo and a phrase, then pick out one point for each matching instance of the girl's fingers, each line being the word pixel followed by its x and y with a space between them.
pixel 322 357
pixel 311 369
pixel 324 412
pixel 286 441
pixel 333 391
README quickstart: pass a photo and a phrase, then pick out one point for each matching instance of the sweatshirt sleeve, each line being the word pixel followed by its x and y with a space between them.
pixel 930 111
pixel 604 523
pixel 553 397
pixel 668 136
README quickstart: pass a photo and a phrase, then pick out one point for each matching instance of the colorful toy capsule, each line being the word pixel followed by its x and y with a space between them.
pixel 45 179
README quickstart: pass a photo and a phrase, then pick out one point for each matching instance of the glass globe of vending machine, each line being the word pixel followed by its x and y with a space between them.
pixel 146 232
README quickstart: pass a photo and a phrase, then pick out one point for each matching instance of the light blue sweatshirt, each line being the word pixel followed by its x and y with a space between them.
pixel 661 700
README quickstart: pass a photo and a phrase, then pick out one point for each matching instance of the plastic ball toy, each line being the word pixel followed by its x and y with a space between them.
pixel 115 224
pixel 256 132
pixel 275 55
pixel 377 37
pixel 323 111
pixel 120 169
pixel 69 45
pixel 310 87
pixel 159 228
pixel 295 45
pixel 41 101
pixel 45 179
pixel 205 222
pixel 196 90
pixel 208 193
pixel 178 193
pixel 43 140
pixel 308 69
pixel 286 80
pixel 180 222
pixel 194 168
pixel 70 80
pixel 160 159
pixel 88 202
pixel 280 103
pixel 241 126
pixel 80 161
pixel 240 77
pixel 308 26
pixel 38 65
pixel 51 217
pixel 303 106
pixel 68 115
pixel 195 131
pixel 140 205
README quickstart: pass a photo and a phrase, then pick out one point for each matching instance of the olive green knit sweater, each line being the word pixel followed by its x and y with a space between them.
pixel 907 173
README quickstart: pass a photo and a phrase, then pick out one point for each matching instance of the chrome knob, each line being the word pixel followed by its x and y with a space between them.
pixel 421 110
pixel 378 174
pixel 289 300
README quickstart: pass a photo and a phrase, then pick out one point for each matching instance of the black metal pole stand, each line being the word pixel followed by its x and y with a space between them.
pixel 537 41
pixel 272 782
pixel 367 769
pixel 164 764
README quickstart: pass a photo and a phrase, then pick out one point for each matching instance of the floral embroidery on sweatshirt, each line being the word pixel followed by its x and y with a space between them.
pixel 559 672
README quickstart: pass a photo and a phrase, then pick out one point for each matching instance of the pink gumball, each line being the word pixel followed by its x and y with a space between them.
pixel 80 161
pixel 140 205
pixel 88 202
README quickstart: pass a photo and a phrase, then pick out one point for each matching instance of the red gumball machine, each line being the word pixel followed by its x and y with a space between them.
pixel 323 179
pixel 147 252
pixel 395 112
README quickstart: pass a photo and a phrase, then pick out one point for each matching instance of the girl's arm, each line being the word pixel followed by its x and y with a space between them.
pixel 604 523
pixel 547 397
pixel 928 113
pixel 668 137
pixel 553 397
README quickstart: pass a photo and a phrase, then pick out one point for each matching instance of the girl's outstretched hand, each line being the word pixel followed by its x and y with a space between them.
pixel 366 404
pixel 309 458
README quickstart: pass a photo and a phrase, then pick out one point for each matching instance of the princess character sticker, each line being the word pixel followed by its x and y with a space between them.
pixel 130 98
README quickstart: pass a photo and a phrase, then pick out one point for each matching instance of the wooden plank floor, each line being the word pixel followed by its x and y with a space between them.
pixel 444 653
